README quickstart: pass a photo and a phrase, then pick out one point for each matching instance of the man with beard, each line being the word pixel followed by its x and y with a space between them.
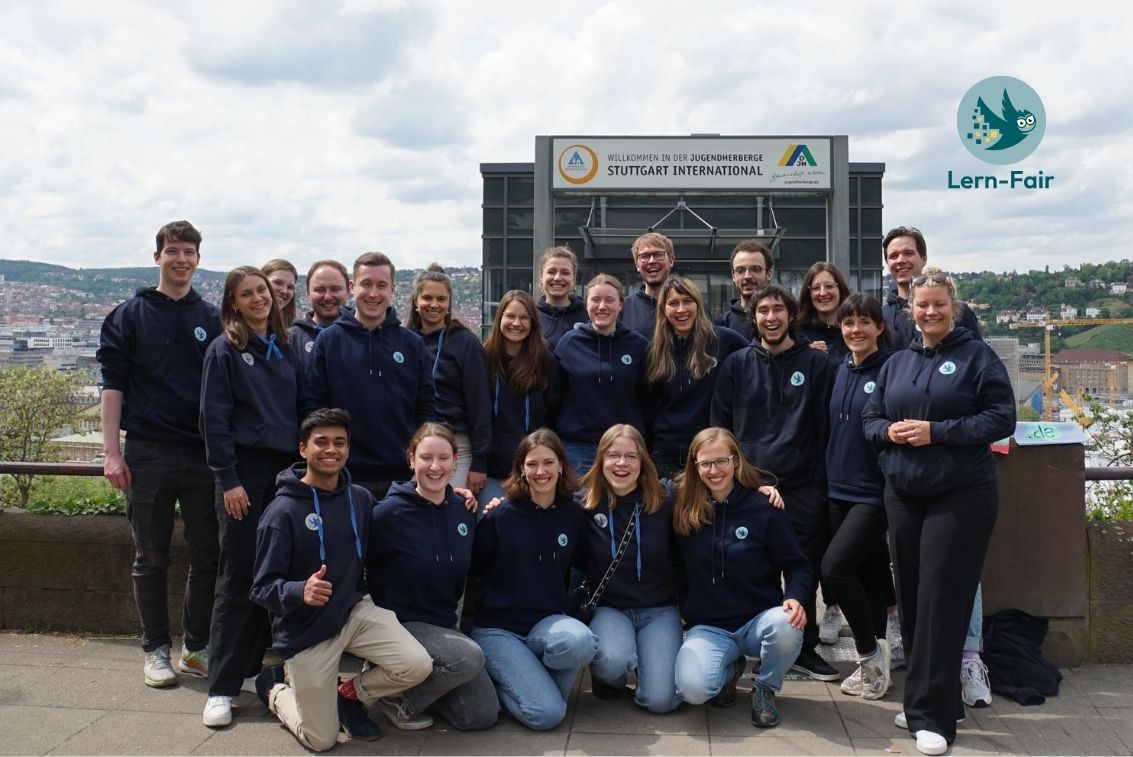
pixel 654 258
pixel 327 290
pixel 752 265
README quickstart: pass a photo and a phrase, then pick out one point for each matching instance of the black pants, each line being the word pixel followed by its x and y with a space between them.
pixel 938 545
pixel 240 628
pixel 163 475
pixel 806 507
pixel 856 568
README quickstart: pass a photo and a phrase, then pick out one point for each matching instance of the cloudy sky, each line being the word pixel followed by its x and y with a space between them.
pixel 313 129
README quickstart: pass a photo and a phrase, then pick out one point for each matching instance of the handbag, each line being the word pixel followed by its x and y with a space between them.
pixel 583 602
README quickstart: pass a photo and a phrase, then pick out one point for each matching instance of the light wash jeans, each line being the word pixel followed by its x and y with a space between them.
pixel 644 641
pixel 535 673
pixel 580 455
pixel 708 657
pixel 974 638
pixel 463 460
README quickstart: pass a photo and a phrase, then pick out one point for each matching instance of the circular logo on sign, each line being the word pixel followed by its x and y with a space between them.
pixel 310 346
pixel 741 533
pixel 626 359
pixel 948 368
pixel 577 164
pixel 398 357
pixel 563 540
pixel 869 387
pixel 462 529
pixel 601 520
pixel 1001 120
pixel 247 358
pixel 797 378
pixel 313 521
pixel 200 334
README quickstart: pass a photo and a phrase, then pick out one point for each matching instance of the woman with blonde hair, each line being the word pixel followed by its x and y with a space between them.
pixel 560 309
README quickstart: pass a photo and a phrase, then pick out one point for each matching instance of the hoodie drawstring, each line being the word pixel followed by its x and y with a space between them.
pixel 353 524
pixel 437 360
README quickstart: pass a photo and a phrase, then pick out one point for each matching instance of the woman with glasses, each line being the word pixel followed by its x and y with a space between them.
pixel 737 549
pixel 824 289
pixel 560 309
pixel 683 360
pixel 523 554
pixel 601 367
pixel 936 409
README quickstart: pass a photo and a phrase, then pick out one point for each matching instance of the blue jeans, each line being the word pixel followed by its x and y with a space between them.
pixel 493 487
pixel 707 658
pixel 580 455
pixel 535 673
pixel 644 641
pixel 974 638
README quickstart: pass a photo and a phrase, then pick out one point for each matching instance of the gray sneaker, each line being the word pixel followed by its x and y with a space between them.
pixel 893 636
pixel 875 673
pixel 158 669
pixel 396 712
pixel 852 684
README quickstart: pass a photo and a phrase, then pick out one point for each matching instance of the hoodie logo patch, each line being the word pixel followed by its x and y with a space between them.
pixel 715 362
pixel 869 387
pixel 563 540
pixel 312 521
pixel 247 358
pixel 948 368
pixel 797 378
pixel 601 520
pixel 462 529
pixel 398 357
pixel 310 346
pixel 200 334
pixel 741 533
pixel 626 359
pixel 578 325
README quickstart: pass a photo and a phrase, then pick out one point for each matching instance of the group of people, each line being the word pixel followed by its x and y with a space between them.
pixel 341 476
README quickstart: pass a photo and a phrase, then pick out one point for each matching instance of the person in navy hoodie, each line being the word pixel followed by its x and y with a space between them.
pixel 523 553
pixel 327 291
pixel 560 309
pixel 420 550
pixel 752 266
pixel 602 369
pixel 856 564
pixel 310 552
pixel 459 371
pixel 152 350
pixel 653 257
pixel 937 407
pixel 775 397
pixel 249 418
pixel 747 579
pixel 684 359
pixel 824 288
pixel 283 277
pixel 524 384
pixel 379 371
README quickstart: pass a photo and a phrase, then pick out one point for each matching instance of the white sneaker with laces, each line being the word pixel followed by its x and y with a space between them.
pixel 975 689
pixel 830 626
pixel 875 673
pixel 852 684
pixel 931 743
pixel 158 669
pixel 218 711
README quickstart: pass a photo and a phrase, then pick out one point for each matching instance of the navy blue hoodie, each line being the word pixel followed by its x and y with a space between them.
pixel 852 472
pixel 523 555
pixel 419 555
pixel 248 400
pixel 736 564
pixel 737 319
pixel 646 576
pixel 304 331
pixel 287 554
pixel 778 407
pixel 902 329
pixel 152 349
pixel 836 349
pixel 960 387
pixel 382 378
pixel 639 313
pixel 515 416
pixel 603 380
pixel 681 406
pixel 459 367
pixel 555 321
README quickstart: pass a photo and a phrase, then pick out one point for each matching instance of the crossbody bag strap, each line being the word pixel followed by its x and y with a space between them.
pixel 592 602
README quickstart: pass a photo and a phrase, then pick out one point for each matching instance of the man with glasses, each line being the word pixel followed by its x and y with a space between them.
pixel 775 397
pixel 654 258
pixel 906 255
pixel 751 267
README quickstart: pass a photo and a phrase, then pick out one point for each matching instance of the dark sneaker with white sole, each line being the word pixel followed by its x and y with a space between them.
pixel 811 663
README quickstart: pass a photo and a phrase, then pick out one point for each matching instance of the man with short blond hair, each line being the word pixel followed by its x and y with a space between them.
pixel 654 258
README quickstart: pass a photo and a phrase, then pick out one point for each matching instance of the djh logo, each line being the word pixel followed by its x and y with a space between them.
pixel 797 155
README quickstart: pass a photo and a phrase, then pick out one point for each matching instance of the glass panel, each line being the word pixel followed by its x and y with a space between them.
pixel 800 254
pixel 519 278
pixel 521 220
pixel 853 221
pixel 575 244
pixel 871 190
pixel 494 191
pixel 494 288
pixel 799 200
pixel 519 251
pixel 493 252
pixel 853 191
pixel 802 222
pixel 871 221
pixel 725 218
pixel 493 221
pixel 567 220
pixel 627 218
pixel 520 190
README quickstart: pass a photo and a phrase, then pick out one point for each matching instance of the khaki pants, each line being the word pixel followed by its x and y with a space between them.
pixel 308 702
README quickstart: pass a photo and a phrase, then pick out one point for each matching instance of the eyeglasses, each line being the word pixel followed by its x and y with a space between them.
pixel 822 287
pixel 940 277
pixel 645 257
pixel 719 462
pixel 617 457
pixel 743 270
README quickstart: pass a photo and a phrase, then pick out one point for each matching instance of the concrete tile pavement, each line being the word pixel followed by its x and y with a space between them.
pixel 74 695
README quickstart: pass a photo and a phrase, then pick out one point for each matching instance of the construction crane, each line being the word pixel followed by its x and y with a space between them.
pixel 1048 327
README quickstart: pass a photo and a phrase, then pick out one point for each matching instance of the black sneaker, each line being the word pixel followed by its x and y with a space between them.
pixel 352 716
pixel 605 691
pixel 764 713
pixel 727 696
pixel 812 664
pixel 266 681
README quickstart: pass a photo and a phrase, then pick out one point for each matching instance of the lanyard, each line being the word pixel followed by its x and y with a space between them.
pixel 353 524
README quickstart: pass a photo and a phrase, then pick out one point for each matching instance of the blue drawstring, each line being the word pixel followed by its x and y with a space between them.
pixel 272 348
pixel 353 524
pixel 526 406
pixel 437 361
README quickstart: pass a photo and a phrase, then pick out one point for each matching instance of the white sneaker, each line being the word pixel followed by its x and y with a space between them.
pixel 395 709
pixel 931 743
pixel 875 673
pixel 830 625
pixel 900 721
pixel 158 669
pixel 218 711
pixel 852 684
pixel 896 645
pixel 975 689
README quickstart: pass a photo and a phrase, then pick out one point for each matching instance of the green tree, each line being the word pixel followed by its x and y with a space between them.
pixel 36 404
pixel 1110 436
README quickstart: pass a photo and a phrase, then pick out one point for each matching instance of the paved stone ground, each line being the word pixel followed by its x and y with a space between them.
pixel 74 695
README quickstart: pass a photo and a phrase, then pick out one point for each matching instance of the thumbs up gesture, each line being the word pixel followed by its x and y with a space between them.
pixel 316 592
